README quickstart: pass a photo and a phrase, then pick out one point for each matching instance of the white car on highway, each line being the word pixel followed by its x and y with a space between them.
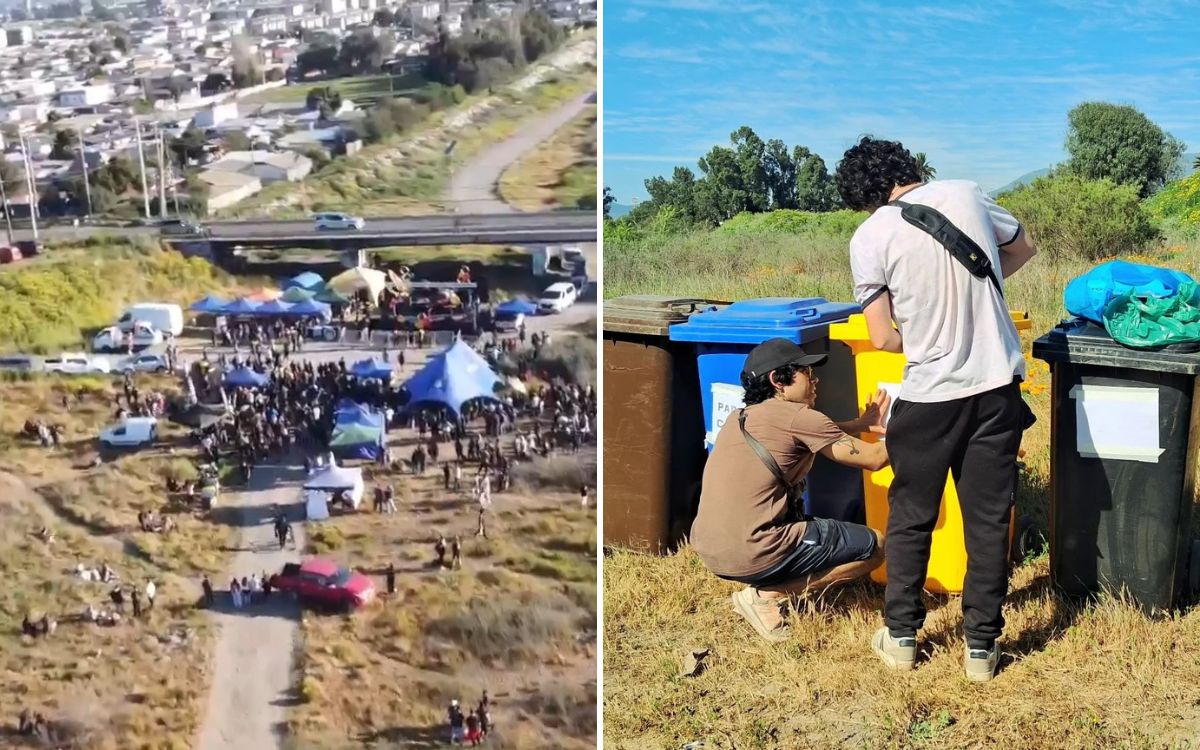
pixel 76 364
pixel 338 221
pixel 113 339
pixel 132 431
pixel 145 363
pixel 557 297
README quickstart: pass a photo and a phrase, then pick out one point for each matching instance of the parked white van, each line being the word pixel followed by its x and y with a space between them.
pixel 76 363
pixel 557 297
pixel 132 431
pixel 165 317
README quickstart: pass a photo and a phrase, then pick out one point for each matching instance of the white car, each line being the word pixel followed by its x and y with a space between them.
pixel 510 322
pixel 557 297
pixel 113 339
pixel 322 332
pixel 145 363
pixel 338 221
pixel 76 364
pixel 132 431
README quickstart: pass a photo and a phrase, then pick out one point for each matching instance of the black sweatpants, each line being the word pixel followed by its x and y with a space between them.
pixel 976 439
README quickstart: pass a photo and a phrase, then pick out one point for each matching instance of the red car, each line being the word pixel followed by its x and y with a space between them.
pixel 325 583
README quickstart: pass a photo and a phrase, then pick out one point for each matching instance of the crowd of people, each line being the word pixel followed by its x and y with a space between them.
pixel 469 727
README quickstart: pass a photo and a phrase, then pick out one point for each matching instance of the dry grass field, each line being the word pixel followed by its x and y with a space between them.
pixel 560 172
pixel 1102 676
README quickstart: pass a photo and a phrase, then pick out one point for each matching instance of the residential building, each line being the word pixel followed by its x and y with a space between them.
pixel 215 114
pixel 85 96
pixel 276 23
pixel 227 188
pixel 268 166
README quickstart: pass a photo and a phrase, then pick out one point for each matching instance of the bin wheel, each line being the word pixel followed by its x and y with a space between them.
pixel 1028 540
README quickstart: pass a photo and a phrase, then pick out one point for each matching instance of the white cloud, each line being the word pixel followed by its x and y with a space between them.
pixel 642 51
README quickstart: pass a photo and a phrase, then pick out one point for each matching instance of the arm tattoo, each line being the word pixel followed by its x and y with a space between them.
pixel 849 443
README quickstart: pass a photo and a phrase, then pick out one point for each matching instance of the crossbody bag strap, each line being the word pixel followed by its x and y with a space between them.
pixel 794 491
pixel 960 246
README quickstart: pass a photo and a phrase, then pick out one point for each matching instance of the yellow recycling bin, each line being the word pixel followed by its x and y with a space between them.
pixel 873 370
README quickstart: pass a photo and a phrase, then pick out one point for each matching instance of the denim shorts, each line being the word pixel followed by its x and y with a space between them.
pixel 826 543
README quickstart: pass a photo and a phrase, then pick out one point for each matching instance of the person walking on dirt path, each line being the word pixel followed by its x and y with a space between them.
pixel 391 578
pixel 135 599
pixel 235 593
pixel 440 549
pixel 751 526
pixel 446 473
pixel 456 553
pixel 455 716
pixel 206 584
pixel 457 473
pixel 959 410
pixel 583 495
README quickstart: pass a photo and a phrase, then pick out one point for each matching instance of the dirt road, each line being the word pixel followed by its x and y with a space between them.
pixel 252 680
pixel 473 186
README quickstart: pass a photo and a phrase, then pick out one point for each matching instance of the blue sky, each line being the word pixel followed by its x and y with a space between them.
pixel 983 88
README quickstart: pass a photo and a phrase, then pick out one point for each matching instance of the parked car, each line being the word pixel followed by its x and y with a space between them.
pixel 113 339
pixel 325 583
pixel 76 363
pixel 145 363
pixel 130 432
pixel 322 332
pixel 509 321
pixel 19 363
pixel 183 228
pixel 338 221
pixel 557 297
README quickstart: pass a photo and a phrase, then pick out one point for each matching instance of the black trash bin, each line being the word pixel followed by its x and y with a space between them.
pixel 1124 435
pixel 653 431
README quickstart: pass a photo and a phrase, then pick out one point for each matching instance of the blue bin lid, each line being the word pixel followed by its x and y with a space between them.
pixel 753 321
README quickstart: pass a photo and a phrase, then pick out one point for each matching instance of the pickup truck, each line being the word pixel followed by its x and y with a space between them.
pixel 325 583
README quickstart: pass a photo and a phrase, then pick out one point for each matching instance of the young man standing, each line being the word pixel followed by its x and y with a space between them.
pixel 959 409
pixel 749 527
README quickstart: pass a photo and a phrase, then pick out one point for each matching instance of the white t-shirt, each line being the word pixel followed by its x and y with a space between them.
pixel 959 338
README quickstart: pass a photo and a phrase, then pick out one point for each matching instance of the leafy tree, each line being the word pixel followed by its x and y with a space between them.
pixel 66 144
pixel 384 17
pixel 609 199
pixel 780 169
pixel 121 42
pixel 360 51
pixel 1119 143
pixel 1196 163
pixel 320 58
pixel 925 169
pixel 326 96
pixel 815 189
pixel 1068 216
pixel 189 146
pixel 680 192
pixel 178 86
pixel 539 35
pixel 236 140
pixel 215 83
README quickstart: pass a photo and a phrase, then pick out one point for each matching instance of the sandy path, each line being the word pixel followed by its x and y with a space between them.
pixel 252 680
pixel 473 187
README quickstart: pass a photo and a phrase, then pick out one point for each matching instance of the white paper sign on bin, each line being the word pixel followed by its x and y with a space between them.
pixel 727 398
pixel 1117 423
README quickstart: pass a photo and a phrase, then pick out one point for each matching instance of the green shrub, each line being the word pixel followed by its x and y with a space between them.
pixel 790 221
pixel 325 538
pixel 1070 217
pixel 1178 203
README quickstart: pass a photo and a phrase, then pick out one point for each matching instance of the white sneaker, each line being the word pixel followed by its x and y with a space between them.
pixel 896 653
pixel 979 664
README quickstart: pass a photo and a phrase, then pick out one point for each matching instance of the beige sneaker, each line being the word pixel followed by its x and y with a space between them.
pixel 980 665
pixel 754 608
pixel 896 653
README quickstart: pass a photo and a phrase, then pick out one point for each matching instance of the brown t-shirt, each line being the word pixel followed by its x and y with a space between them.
pixel 741 527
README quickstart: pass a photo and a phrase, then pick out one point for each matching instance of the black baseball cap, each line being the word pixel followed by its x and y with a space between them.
pixel 775 353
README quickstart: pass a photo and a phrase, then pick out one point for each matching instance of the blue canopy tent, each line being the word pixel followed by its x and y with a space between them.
pixel 209 304
pixel 514 307
pixel 244 377
pixel 240 306
pixel 371 368
pixel 313 308
pixel 274 307
pixel 357 441
pixel 356 414
pixel 452 378
pixel 307 280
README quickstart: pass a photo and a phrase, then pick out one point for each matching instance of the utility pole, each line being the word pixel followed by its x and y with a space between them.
pixel 162 174
pixel 4 197
pixel 142 164
pixel 31 184
pixel 87 183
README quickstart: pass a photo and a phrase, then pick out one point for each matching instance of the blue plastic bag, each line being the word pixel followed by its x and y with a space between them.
pixel 1090 294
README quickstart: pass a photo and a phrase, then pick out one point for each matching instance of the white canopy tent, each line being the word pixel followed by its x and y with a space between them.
pixel 330 480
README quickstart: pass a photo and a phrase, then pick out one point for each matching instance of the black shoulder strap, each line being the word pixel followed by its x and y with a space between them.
pixel 961 247
pixel 794 491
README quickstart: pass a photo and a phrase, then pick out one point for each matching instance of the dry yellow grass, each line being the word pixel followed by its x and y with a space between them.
pixel 129 685
pixel 517 620
pixel 558 172
pixel 1098 677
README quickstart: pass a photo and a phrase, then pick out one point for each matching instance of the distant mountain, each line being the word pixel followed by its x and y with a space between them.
pixel 617 210
pixel 1184 165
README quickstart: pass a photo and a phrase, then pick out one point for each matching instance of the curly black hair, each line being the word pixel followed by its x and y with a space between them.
pixel 870 170
pixel 759 389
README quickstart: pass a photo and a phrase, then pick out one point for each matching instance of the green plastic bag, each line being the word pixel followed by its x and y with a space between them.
pixel 1145 322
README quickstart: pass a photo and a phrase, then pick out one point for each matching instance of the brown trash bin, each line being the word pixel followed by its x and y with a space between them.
pixel 653 426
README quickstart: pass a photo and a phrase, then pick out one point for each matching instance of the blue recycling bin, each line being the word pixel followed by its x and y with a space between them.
pixel 722 338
